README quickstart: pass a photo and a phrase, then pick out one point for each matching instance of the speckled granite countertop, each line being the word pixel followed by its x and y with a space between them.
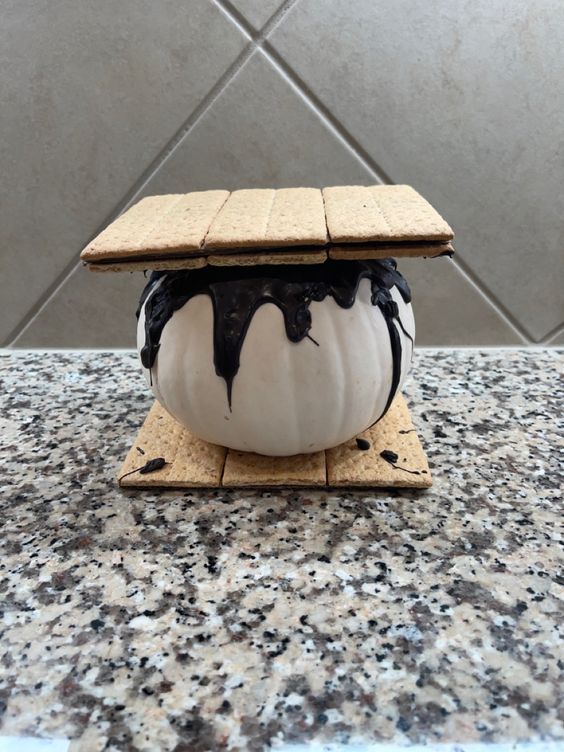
pixel 193 621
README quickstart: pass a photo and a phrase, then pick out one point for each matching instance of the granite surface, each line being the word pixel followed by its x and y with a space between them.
pixel 244 621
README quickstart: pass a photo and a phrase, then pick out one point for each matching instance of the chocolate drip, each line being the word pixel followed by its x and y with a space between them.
pixel 392 458
pixel 237 292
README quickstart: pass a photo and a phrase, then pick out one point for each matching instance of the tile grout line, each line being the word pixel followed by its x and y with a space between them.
pixel 239 20
pixel 255 39
pixel 42 301
pixel 498 307
pixel 551 334
pixel 504 312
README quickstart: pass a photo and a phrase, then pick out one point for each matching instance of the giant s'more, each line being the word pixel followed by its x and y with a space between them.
pixel 275 321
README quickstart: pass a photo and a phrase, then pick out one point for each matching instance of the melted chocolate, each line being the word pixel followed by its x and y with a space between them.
pixel 392 458
pixel 237 292
pixel 149 467
pixel 389 456
pixel 363 444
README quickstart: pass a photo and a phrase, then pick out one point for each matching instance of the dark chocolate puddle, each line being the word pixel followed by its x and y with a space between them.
pixel 237 292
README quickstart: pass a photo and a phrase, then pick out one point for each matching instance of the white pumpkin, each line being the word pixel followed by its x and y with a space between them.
pixel 288 398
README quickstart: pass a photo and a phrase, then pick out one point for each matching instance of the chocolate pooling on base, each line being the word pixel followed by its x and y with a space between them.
pixel 237 293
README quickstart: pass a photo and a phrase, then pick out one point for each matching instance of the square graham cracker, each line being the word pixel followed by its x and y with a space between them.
pixel 193 463
pixel 167 225
pixel 396 213
pixel 268 218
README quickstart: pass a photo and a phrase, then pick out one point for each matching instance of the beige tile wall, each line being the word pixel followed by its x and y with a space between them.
pixel 104 102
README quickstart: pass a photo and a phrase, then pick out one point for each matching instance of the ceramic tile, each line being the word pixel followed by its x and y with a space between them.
pixel 91 310
pixel 250 147
pixel 463 103
pixel 450 310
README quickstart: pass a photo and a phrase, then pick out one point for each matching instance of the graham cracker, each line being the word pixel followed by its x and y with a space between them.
pixel 347 466
pixel 186 456
pixel 258 259
pixel 269 218
pixel 171 224
pixel 192 462
pixel 381 212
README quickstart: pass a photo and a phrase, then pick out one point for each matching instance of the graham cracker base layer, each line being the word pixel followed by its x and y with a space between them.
pixel 193 463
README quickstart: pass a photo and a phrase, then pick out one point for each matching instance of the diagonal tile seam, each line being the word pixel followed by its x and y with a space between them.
pixel 552 334
pixel 504 314
pixel 255 41
pixel 502 311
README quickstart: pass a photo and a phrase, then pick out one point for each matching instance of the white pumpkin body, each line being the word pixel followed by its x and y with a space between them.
pixel 288 398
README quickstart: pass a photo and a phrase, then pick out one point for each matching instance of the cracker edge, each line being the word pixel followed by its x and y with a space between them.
pixel 274 259
pixel 197 262
pixel 339 252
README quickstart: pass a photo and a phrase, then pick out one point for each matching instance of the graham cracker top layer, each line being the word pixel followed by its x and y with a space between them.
pixel 269 218
pixel 203 223
pixel 392 213
pixel 161 225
